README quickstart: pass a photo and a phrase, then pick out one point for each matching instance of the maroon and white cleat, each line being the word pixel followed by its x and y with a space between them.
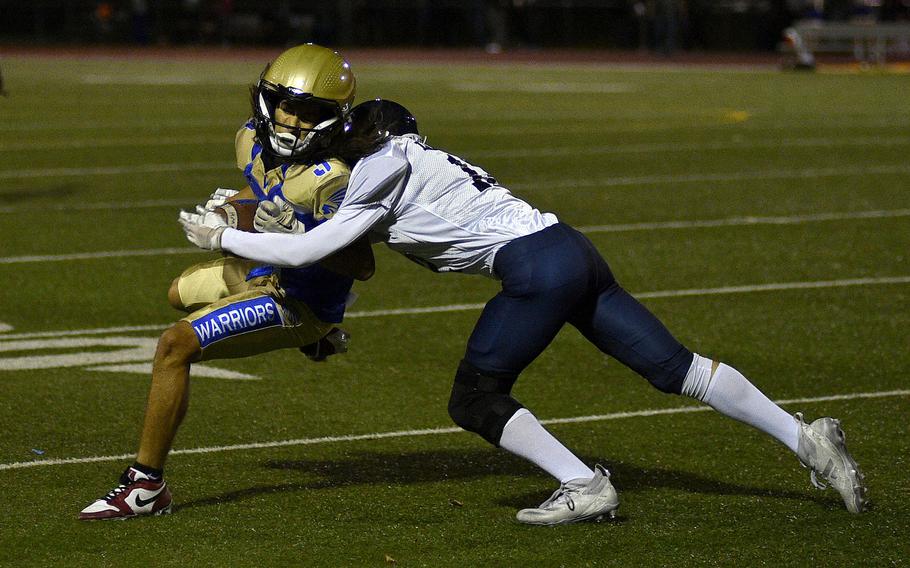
pixel 136 495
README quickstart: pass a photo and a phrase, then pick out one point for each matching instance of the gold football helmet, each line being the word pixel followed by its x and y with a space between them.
pixel 303 101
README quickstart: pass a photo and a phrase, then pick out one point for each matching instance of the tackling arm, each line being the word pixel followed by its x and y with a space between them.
pixel 339 232
pixel 374 186
pixel 355 261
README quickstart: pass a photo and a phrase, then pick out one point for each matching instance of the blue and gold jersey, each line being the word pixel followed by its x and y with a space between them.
pixel 315 192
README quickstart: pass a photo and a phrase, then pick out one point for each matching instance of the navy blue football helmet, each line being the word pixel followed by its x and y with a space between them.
pixel 388 116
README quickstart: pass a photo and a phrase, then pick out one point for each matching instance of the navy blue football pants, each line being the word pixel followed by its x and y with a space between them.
pixel 557 276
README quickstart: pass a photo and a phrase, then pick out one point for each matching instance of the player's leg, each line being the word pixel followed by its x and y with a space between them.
pixel 245 324
pixel 241 325
pixel 202 284
pixel 142 489
pixel 255 322
pixel 542 280
pixel 540 283
pixel 481 403
pixel 820 446
pixel 205 283
pixel 621 327
pixel 169 396
pixel 238 326
pixel 624 329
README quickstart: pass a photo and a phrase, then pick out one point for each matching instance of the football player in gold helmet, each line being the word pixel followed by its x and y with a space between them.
pixel 235 307
pixel 302 102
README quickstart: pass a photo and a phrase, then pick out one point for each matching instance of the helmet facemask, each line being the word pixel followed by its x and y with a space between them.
pixel 279 111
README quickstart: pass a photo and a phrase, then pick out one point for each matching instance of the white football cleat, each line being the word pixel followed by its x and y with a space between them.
pixel 822 448
pixel 576 501
pixel 136 495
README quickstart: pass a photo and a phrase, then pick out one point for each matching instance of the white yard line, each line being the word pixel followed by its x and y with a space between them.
pixel 692 147
pixel 117 170
pixel 808 173
pixel 618 228
pixel 746 221
pixel 64 124
pixel 158 80
pixel 113 143
pixel 90 331
pixel 504 123
pixel 770 287
pixel 601 126
pixel 544 87
pixel 736 144
pixel 95 255
pixel 776 286
pixel 435 431
pixel 804 173
pixel 779 286
pixel 99 205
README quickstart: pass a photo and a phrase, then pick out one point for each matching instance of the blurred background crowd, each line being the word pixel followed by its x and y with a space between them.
pixel 664 26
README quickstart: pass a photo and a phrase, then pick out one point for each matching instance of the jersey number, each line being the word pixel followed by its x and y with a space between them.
pixel 480 181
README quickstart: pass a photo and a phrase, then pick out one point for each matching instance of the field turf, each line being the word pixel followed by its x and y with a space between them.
pixel 764 216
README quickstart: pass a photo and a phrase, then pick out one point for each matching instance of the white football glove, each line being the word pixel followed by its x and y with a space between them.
pixel 204 231
pixel 207 216
pixel 218 198
pixel 276 216
pixel 207 211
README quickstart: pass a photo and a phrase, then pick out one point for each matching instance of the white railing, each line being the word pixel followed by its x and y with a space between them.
pixel 870 42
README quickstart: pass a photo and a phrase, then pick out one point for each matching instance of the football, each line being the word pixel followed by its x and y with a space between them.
pixel 239 214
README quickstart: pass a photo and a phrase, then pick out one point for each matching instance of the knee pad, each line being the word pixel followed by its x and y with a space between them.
pixel 481 403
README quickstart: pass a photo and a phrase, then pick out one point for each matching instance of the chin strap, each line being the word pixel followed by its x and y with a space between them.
pixel 287 145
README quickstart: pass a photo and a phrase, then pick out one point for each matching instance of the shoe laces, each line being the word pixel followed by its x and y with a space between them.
pixel 114 492
pixel 813 477
pixel 813 472
pixel 563 494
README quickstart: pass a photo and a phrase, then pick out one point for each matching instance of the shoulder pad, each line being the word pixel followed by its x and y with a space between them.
pixel 317 189
pixel 243 144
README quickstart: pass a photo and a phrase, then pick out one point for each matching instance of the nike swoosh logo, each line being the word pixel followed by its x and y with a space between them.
pixel 140 502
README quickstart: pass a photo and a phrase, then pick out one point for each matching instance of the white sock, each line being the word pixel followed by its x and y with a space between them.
pixel 730 393
pixel 524 436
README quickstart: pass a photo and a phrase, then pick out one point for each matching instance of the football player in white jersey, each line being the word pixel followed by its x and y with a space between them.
pixel 236 307
pixel 452 216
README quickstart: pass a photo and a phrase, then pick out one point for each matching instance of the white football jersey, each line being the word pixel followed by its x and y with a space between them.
pixel 441 211
pixel 434 208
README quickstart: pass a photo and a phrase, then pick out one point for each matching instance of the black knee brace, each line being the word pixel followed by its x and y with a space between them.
pixel 480 402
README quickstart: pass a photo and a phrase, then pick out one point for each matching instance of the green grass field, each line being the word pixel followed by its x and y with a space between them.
pixel 765 217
